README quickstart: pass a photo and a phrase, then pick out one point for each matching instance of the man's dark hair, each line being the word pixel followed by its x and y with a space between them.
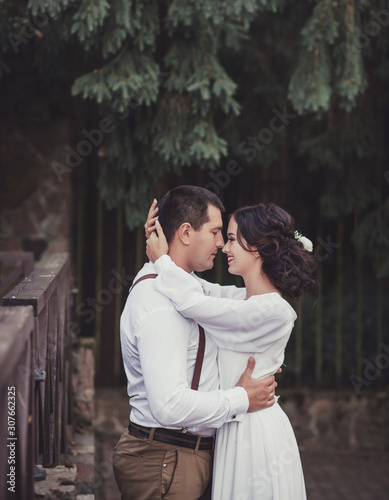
pixel 186 204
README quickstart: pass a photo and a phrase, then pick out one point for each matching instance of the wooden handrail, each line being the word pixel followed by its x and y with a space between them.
pixel 37 288
pixel 47 348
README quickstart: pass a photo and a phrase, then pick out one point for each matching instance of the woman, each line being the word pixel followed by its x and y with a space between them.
pixel 258 457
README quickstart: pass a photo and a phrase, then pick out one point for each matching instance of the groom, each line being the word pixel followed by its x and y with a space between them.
pixel 167 450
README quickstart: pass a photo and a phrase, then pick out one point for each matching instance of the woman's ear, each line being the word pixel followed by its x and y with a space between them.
pixel 259 258
pixel 183 233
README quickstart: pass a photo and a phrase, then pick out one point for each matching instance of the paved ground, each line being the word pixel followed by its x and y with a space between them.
pixel 329 475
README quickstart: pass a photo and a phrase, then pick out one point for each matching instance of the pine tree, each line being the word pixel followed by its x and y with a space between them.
pixel 181 82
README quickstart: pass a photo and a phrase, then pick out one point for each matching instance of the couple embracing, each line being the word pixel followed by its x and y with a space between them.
pixel 199 356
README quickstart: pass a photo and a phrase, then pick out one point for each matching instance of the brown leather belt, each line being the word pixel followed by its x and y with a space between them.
pixel 171 436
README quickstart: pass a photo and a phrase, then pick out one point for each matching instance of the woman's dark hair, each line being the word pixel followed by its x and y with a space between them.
pixel 270 230
pixel 186 204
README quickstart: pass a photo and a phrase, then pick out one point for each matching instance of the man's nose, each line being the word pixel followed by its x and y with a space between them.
pixel 220 242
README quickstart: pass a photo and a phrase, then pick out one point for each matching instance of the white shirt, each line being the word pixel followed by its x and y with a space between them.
pixel 159 348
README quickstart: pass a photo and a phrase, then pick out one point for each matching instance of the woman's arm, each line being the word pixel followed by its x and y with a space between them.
pixel 244 325
pixel 222 291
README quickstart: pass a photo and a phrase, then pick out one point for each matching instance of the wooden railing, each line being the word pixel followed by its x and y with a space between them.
pixel 35 359
pixel 16 402
pixel 22 264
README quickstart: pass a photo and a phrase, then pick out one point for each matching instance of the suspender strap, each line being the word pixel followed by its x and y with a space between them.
pixel 199 360
pixel 145 277
pixel 201 348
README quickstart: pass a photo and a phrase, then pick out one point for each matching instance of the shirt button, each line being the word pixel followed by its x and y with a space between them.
pixel 233 416
pixel 164 465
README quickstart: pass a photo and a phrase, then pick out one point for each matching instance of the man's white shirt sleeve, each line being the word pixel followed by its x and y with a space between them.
pixel 162 341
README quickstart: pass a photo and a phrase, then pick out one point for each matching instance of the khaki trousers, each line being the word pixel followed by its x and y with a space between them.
pixel 151 470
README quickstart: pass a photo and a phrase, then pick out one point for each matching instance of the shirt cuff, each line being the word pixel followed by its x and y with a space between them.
pixel 239 404
pixel 162 263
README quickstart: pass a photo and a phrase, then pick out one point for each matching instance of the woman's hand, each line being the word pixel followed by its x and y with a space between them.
pixel 156 245
pixel 151 218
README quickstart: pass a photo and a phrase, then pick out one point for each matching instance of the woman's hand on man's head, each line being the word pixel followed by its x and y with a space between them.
pixel 151 218
pixel 157 245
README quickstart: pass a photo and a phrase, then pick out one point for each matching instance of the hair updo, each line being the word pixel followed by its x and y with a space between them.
pixel 270 230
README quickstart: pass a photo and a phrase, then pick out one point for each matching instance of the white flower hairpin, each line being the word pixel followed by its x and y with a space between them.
pixel 307 244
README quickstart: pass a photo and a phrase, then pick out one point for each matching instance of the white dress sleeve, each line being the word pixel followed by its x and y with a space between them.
pixel 251 325
pixel 221 291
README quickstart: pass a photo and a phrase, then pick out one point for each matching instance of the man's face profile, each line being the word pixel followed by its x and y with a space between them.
pixel 204 244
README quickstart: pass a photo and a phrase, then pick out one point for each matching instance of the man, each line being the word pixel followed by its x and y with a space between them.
pixel 167 450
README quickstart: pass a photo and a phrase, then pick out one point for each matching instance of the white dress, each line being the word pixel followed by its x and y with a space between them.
pixel 256 456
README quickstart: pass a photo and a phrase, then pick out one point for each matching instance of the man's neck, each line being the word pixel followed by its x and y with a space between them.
pixel 179 259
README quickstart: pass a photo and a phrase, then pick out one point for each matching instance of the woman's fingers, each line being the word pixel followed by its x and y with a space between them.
pixel 150 225
pixel 164 246
pixel 152 210
pixel 151 218
pixel 156 245
pixel 151 222
pixel 150 228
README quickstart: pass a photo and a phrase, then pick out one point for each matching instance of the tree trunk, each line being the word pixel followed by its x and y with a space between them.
pixel 319 329
pixel 359 305
pixel 339 304
pixel 299 346
pixel 99 275
pixel 118 297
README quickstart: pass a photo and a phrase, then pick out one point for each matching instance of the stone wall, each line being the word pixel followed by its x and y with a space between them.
pixel 36 206
pixel 83 378
pixel 338 419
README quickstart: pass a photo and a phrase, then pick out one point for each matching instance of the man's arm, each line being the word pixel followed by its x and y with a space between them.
pixel 162 341
pixel 162 344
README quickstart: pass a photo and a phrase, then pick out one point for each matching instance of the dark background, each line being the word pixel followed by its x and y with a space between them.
pixel 324 63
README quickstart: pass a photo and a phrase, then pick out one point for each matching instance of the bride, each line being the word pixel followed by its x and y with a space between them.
pixel 257 457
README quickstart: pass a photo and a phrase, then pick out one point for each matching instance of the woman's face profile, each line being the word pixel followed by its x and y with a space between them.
pixel 240 261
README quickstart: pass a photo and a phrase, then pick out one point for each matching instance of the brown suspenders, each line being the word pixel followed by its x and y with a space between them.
pixel 199 360
pixel 201 349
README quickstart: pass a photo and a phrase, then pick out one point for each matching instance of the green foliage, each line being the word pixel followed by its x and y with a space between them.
pixel 331 58
pixel 309 87
pixel 128 75
pixel 52 8
pixel 191 83
pixel 89 17
pixel 322 25
pixel 197 71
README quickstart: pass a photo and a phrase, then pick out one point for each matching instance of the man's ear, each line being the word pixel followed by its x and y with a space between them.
pixel 183 233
